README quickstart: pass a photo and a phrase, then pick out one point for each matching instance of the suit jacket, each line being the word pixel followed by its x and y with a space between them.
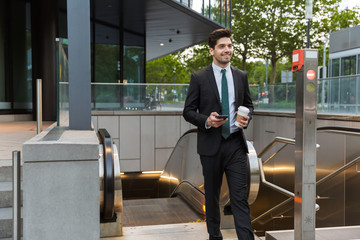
pixel 203 98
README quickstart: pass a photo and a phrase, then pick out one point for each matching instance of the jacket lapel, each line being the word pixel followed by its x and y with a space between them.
pixel 212 82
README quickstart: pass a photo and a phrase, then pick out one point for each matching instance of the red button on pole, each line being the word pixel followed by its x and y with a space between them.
pixel 310 74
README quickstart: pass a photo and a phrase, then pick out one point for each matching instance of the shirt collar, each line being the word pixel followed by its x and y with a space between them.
pixel 218 69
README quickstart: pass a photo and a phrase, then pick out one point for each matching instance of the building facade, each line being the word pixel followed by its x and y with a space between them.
pixel 124 35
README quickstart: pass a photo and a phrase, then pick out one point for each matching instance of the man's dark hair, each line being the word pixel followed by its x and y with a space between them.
pixel 217 34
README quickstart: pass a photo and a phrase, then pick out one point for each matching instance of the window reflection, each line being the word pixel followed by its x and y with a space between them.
pixel 217 10
pixel 348 65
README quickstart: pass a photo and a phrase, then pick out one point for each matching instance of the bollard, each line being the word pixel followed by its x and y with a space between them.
pixel 16 195
pixel 39 104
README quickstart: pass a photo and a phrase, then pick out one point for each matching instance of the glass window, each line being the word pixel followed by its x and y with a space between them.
pixel 228 13
pixel 3 103
pixel 334 71
pixel 215 10
pixel 348 65
pixel 20 65
pixel 206 9
pixel 358 65
pixel 134 63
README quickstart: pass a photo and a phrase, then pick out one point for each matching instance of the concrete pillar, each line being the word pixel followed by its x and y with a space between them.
pixel 61 185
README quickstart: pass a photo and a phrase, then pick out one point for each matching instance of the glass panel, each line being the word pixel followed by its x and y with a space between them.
pixel 279 96
pixel 333 95
pixel 197 5
pixel 63 83
pixel 358 65
pixel 223 12
pixel 228 13
pixel 348 65
pixel 140 96
pixel 335 67
pixel 4 104
pixel 207 8
pixel 106 62
pixel 215 10
pixel 21 57
pixel 322 96
pixel 348 95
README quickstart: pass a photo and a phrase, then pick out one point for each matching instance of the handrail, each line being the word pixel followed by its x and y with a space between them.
pixel 345 130
pixel 339 170
pixel 109 175
pixel 273 186
pixel 274 142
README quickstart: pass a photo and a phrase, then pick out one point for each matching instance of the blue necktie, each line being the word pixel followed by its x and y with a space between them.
pixel 225 132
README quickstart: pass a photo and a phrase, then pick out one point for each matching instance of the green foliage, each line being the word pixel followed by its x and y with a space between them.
pixel 197 58
pixel 168 69
pixel 262 29
pixel 246 28
pixel 106 60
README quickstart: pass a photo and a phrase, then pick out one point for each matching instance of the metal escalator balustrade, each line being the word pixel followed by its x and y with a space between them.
pixel 183 176
pixel 274 210
pixel 110 179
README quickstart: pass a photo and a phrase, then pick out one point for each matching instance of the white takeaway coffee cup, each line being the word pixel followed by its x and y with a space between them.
pixel 242 111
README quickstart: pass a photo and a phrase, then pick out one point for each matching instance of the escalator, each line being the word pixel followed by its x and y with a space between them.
pixel 179 189
pixel 177 192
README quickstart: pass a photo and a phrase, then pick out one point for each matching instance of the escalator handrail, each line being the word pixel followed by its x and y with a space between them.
pixel 109 178
pixel 344 130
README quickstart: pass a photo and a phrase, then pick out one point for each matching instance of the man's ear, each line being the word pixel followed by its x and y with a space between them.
pixel 211 50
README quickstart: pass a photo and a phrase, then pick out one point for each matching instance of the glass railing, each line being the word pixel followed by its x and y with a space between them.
pixel 274 97
pixel 63 82
pixel 337 95
pixel 216 10
pixel 138 96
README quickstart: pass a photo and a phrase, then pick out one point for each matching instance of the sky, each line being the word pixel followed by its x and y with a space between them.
pixel 349 3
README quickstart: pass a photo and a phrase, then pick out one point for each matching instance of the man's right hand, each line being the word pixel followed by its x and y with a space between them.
pixel 212 121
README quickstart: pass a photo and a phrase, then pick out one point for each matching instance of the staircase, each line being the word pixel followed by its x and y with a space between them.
pixel 6 199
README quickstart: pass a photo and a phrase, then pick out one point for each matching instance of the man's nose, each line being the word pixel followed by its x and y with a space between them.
pixel 227 49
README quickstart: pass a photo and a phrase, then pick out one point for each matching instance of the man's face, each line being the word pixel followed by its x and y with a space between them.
pixel 222 52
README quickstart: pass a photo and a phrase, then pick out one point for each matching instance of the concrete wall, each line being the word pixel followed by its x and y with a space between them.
pixel 266 126
pixel 145 140
pixel 61 185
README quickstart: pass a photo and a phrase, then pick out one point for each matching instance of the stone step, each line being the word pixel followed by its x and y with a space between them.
pixel 6 171
pixel 6 199
pixel 6 223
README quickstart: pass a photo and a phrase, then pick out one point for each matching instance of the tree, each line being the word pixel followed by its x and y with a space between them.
pixel 246 28
pixel 168 69
pixel 282 30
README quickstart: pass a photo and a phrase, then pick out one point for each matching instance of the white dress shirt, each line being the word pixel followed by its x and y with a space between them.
pixel 231 89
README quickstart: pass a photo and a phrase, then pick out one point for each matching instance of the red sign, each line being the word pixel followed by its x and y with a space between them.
pixel 310 74
pixel 298 60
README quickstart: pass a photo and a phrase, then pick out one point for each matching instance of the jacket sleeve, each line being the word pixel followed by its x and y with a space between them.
pixel 192 102
pixel 247 102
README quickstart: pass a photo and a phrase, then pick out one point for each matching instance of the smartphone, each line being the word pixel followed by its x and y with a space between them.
pixel 222 116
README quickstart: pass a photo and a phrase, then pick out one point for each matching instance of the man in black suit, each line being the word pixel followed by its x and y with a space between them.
pixel 214 90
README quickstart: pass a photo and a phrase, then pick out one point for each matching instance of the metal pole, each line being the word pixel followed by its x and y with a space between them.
pixel 305 148
pixel 324 74
pixel 39 105
pixel 266 74
pixel 308 34
pixel 16 195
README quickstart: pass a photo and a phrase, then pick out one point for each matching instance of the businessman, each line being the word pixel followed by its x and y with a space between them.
pixel 220 89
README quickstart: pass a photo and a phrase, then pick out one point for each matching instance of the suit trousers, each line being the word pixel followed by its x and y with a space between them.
pixel 231 159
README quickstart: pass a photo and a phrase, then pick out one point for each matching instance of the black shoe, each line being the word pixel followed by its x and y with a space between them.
pixel 216 237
